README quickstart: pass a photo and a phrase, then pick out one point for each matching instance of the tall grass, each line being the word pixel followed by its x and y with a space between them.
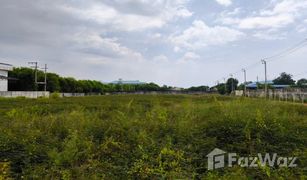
pixel 146 137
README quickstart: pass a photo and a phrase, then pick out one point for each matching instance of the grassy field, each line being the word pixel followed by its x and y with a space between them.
pixel 147 137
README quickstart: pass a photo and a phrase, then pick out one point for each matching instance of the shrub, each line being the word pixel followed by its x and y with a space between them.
pixel 55 95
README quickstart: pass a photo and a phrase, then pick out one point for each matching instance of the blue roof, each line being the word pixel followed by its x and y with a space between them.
pixel 254 84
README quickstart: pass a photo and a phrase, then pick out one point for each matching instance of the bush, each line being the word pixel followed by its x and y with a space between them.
pixel 55 95
pixel 147 137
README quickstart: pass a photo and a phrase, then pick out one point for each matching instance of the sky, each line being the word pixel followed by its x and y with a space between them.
pixel 179 43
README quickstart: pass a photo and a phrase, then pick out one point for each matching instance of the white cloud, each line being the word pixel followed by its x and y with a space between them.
pixel 224 2
pixel 228 17
pixel 276 21
pixel 265 35
pixel 189 57
pixel 301 28
pixel 285 7
pixel 146 14
pixel 200 35
pixel 94 44
pixel 236 11
pixel 278 15
pixel 160 59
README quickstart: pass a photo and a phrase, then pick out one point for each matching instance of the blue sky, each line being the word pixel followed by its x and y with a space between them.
pixel 175 42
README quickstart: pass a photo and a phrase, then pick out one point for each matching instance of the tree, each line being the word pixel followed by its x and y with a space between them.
pixel 221 88
pixel 198 88
pixel 302 83
pixel 53 83
pixel 231 84
pixel 284 79
pixel 25 79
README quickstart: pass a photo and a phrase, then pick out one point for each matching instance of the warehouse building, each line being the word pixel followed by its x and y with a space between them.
pixel 254 85
pixel 121 81
pixel 4 69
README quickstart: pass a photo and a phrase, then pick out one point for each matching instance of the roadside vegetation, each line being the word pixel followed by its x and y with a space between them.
pixel 147 137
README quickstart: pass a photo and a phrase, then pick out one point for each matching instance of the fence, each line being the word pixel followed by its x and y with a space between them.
pixel 295 95
pixel 37 94
pixel 161 92
pixel 71 94
pixel 27 94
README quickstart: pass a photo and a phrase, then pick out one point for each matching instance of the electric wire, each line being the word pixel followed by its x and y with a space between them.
pixel 283 53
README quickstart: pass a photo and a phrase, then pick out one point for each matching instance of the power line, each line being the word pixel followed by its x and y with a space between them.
pixel 290 50
pixel 300 74
pixel 286 52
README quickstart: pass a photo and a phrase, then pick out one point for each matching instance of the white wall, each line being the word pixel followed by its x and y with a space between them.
pixel 3 82
pixel 27 94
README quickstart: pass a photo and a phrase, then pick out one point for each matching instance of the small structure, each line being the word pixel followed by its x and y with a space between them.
pixel 4 69
pixel 134 82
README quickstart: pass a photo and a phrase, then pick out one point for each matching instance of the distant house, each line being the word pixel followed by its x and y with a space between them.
pixel 131 82
pixel 4 69
pixel 254 85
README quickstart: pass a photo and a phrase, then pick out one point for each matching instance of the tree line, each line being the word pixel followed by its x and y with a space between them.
pixel 24 80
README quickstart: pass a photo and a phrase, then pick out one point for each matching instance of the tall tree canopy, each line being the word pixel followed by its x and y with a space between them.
pixel 231 84
pixel 284 79
pixel 302 83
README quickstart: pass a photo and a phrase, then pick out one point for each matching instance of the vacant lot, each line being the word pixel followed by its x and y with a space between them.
pixel 153 137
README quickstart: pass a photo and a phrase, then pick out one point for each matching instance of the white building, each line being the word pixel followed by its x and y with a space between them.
pixel 4 69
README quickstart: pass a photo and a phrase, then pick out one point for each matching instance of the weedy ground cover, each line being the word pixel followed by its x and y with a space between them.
pixel 147 137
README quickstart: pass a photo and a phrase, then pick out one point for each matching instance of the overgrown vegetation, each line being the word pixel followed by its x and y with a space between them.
pixel 146 137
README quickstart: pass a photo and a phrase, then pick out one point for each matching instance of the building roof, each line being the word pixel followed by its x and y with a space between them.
pixel 120 81
pixel 6 67
pixel 271 83
pixel 5 64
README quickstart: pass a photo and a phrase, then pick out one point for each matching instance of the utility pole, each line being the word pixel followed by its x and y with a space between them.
pixel 257 82
pixel 232 88
pixel 265 78
pixel 45 79
pixel 45 83
pixel 35 71
pixel 244 71
pixel 225 84
pixel 35 66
